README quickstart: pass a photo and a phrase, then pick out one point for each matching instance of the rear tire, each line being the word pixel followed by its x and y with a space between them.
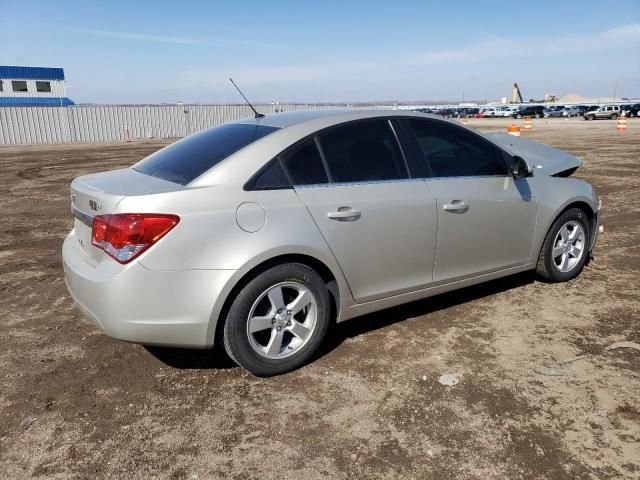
pixel 278 320
pixel 565 249
pixel 614 116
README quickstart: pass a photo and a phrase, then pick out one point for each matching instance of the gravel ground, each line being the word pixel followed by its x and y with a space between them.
pixel 77 404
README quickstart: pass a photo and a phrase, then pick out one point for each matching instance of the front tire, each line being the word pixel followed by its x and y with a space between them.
pixel 565 249
pixel 278 320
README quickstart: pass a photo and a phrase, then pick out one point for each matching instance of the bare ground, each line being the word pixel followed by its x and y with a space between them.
pixel 77 404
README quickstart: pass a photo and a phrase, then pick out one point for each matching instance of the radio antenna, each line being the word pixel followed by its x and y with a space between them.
pixel 258 115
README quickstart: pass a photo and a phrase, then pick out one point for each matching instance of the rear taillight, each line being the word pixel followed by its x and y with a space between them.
pixel 124 236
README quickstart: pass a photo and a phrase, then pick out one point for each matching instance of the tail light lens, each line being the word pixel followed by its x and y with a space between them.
pixel 124 236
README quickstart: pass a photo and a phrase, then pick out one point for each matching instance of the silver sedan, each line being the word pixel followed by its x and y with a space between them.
pixel 257 234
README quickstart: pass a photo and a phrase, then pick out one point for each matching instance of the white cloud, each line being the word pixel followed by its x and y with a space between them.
pixel 624 37
pixel 141 37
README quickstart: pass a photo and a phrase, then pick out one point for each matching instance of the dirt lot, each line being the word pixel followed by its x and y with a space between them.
pixel 77 404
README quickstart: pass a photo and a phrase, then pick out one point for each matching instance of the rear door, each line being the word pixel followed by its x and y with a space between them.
pixel 379 223
pixel 486 219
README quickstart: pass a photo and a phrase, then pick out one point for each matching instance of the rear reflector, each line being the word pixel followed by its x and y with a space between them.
pixel 124 236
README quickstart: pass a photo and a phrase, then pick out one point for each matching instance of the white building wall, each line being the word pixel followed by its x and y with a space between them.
pixel 57 88
pixel 108 123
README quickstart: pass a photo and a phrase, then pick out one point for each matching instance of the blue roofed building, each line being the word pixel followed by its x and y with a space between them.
pixel 32 86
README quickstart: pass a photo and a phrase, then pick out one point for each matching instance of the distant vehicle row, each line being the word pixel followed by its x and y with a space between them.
pixel 589 112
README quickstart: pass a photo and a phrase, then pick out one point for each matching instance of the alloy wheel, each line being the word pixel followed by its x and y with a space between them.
pixel 282 320
pixel 569 246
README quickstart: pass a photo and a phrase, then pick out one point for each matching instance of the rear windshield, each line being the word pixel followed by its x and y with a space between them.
pixel 184 161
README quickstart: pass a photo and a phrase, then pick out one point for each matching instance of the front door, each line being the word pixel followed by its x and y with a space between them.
pixel 486 218
pixel 485 224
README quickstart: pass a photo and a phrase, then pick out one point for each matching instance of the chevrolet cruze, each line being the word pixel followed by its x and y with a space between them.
pixel 257 234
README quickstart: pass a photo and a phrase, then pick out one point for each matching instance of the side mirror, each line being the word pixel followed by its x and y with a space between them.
pixel 520 168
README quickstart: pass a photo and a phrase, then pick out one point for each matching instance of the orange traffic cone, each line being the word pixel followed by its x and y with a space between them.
pixel 527 124
pixel 622 123
pixel 464 120
pixel 514 130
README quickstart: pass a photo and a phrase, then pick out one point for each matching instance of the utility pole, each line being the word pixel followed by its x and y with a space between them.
pixel 615 90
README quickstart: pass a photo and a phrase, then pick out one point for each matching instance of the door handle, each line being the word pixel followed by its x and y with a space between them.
pixel 345 214
pixel 456 206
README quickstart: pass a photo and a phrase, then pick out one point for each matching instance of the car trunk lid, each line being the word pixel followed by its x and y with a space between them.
pixel 100 194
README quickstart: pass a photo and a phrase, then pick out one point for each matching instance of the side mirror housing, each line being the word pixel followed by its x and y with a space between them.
pixel 520 168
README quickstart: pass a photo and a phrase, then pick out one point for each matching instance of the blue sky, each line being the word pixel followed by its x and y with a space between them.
pixel 160 51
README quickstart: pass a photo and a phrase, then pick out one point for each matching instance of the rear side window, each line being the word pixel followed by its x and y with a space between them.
pixel 271 178
pixel 454 152
pixel 363 151
pixel 187 159
pixel 304 164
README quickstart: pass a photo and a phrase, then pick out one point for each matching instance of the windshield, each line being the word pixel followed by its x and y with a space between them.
pixel 187 159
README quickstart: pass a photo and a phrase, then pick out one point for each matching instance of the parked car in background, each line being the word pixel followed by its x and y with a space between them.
pixel 469 112
pixel 446 112
pixel 571 111
pixel 605 111
pixel 535 111
pixel 553 111
pixel 504 111
pixel 585 108
pixel 258 234
pixel 425 110
pixel 630 110
pixel 489 111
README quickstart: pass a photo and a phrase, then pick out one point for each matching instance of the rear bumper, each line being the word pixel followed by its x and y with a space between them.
pixel 135 304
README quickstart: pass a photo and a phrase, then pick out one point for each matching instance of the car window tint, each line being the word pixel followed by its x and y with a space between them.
pixel 272 177
pixel 454 152
pixel 363 151
pixel 304 164
pixel 187 159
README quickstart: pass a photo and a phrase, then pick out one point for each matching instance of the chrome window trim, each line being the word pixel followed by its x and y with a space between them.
pixel 399 180
pixel 368 182
pixel 468 177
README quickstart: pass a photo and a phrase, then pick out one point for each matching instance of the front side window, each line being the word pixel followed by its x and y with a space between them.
pixel 19 86
pixel 0 85
pixel 43 86
pixel 454 152
pixel 304 164
pixel 363 151
pixel 187 159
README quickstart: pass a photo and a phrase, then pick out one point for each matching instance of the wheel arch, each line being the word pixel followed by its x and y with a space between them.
pixel 333 281
pixel 590 212
pixel 581 203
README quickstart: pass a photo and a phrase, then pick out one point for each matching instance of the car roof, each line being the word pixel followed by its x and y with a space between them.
pixel 288 119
